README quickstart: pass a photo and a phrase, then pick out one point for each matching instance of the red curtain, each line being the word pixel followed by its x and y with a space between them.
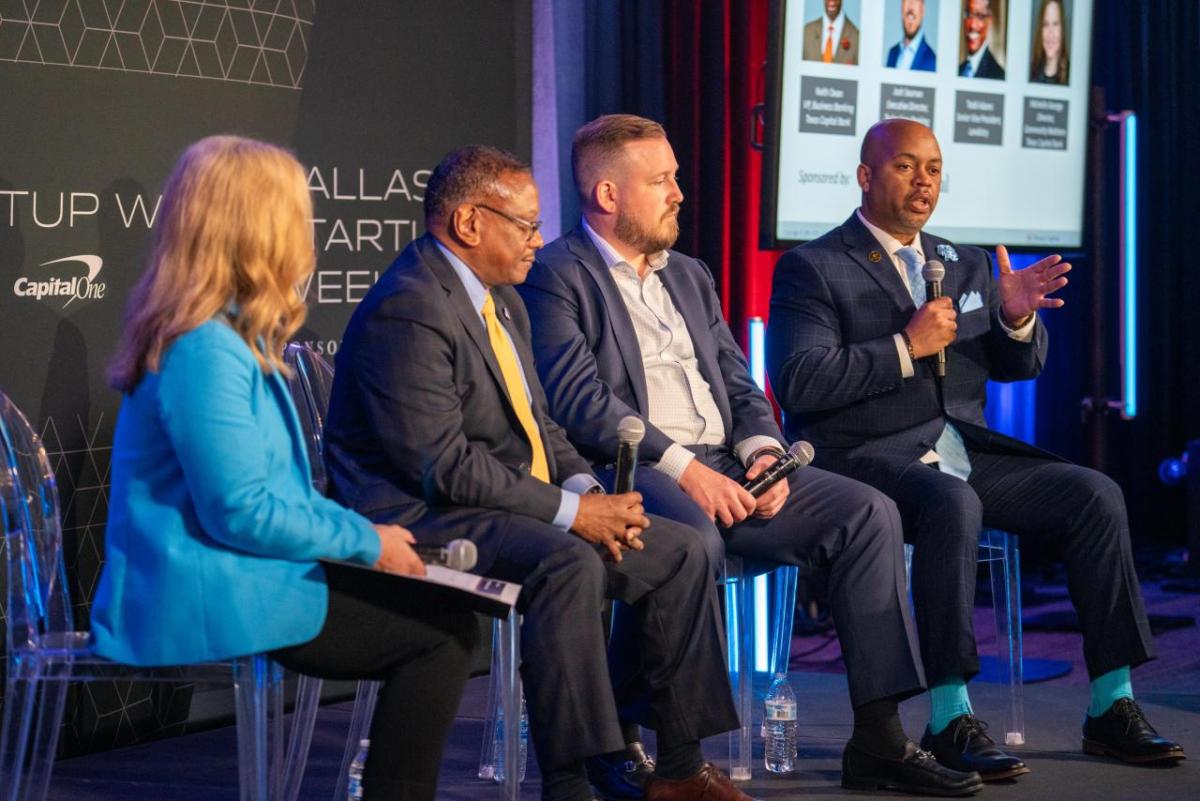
pixel 715 56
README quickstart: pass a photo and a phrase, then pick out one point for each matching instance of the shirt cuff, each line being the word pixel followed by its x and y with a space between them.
pixel 906 365
pixel 1022 334
pixel 675 460
pixel 568 507
pixel 751 445
pixel 581 484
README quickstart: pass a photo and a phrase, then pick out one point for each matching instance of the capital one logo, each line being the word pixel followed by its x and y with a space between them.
pixel 79 287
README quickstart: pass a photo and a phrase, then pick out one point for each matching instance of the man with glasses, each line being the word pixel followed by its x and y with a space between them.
pixel 437 422
pixel 978 61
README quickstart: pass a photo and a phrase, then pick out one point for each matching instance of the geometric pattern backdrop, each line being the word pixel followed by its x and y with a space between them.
pixel 247 41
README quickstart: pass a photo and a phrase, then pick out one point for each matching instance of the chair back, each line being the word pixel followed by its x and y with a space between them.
pixel 310 385
pixel 37 601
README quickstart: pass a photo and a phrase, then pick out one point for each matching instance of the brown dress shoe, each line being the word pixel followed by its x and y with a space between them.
pixel 709 784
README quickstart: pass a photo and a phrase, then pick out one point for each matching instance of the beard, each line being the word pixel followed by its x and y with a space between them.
pixel 647 240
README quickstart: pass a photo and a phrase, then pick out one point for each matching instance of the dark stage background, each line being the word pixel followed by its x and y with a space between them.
pixel 98 97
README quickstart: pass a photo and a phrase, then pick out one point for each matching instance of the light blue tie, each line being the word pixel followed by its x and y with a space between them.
pixel 950 447
pixel 967 70
pixel 912 268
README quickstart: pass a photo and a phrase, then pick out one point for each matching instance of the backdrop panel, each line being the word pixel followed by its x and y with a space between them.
pixel 98 99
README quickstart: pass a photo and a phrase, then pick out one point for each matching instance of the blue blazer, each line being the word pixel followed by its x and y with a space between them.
pixel 924 60
pixel 836 304
pixel 214 529
pixel 588 355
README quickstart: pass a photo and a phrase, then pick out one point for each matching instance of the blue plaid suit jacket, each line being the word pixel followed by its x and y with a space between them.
pixel 836 304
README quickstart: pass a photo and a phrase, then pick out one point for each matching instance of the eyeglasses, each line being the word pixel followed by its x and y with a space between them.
pixel 978 16
pixel 531 228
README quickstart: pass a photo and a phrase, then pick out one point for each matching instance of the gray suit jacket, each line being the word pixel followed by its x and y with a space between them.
pixel 419 416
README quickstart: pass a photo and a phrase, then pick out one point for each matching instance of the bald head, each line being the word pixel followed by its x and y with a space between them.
pixel 900 175
pixel 882 137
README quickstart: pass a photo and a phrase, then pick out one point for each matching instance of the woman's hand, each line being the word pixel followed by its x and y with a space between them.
pixel 395 551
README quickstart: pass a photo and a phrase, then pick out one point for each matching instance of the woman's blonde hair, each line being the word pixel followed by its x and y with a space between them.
pixel 234 231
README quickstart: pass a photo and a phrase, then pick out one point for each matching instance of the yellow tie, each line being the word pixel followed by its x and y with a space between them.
pixel 827 55
pixel 510 368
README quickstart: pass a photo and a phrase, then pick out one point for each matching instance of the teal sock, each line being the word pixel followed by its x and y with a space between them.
pixel 1108 688
pixel 947 700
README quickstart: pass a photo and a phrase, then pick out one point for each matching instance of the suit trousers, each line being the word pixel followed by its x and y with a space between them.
pixel 1079 511
pixel 833 523
pixel 380 628
pixel 677 685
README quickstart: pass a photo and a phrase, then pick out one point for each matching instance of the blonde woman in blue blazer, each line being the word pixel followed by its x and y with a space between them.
pixel 214 531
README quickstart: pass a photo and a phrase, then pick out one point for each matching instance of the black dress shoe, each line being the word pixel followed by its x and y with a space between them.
pixel 915 772
pixel 964 745
pixel 621 775
pixel 1123 732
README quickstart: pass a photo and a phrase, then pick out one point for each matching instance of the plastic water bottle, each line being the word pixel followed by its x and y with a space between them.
pixel 354 787
pixel 780 722
pixel 498 744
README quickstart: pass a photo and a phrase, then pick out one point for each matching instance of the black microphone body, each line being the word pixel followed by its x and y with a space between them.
pixel 457 554
pixel 800 454
pixel 626 467
pixel 933 272
pixel 630 432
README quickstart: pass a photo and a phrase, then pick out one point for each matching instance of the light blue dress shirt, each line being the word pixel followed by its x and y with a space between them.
pixel 577 484
pixel 909 52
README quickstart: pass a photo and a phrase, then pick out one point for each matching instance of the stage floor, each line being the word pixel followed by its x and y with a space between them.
pixel 201 767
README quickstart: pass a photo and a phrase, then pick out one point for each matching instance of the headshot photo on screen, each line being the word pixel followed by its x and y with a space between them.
pixel 831 35
pixel 909 34
pixel 981 44
pixel 1050 61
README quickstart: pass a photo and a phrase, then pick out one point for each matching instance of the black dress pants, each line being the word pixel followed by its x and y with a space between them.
pixel 676 683
pixel 834 523
pixel 382 629
pixel 1081 512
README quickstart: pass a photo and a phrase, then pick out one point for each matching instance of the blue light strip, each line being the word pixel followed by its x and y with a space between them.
pixel 762 658
pixel 758 355
pixel 1130 288
pixel 758 372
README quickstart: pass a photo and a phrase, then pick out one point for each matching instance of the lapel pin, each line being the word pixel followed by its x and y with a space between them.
pixel 874 256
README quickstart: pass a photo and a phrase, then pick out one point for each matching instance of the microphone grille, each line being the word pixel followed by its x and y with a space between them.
pixel 933 270
pixel 631 430
pixel 461 554
pixel 803 452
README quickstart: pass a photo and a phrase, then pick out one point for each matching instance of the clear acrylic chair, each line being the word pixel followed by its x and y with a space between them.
pixel 1000 551
pixel 46 651
pixel 504 698
pixel 741 635
pixel 310 385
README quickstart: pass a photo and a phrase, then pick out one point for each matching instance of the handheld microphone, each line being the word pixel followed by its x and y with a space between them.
pixel 797 456
pixel 630 432
pixel 456 554
pixel 933 272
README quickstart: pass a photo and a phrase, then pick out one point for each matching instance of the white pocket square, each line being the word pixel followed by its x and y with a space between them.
pixel 969 302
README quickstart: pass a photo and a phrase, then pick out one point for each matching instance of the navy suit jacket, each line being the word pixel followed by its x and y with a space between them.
pixel 924 60
pixel 419 416
pixel 836 304
pixel 588 355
